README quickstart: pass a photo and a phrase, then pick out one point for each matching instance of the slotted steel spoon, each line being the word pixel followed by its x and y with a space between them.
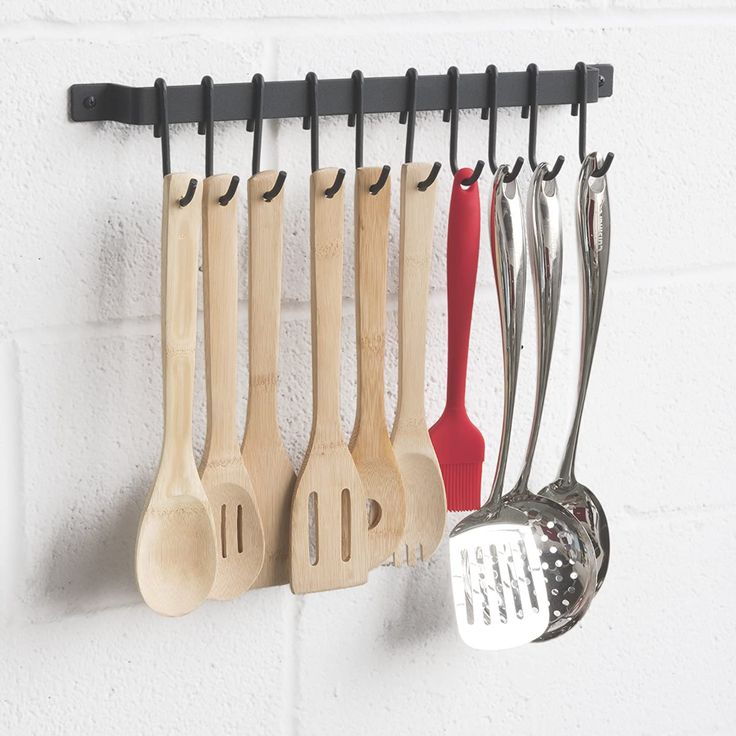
pixel 593 228
pixel 567 554
pixel 498 582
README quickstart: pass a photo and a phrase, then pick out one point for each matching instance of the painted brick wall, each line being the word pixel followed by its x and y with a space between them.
pixel 80 386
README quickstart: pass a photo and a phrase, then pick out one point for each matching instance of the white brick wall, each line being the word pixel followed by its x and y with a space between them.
pixel 80 386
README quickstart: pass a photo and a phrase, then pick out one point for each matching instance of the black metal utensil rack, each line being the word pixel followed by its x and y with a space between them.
pixel 289 99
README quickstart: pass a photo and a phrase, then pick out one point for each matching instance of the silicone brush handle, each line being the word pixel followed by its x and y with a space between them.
pixel 463 244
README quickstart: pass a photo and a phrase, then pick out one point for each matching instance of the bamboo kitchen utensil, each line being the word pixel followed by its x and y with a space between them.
pixel 224 476
pixel 263 447
pixel 418 464
pixel 594 233
pixel 370 443
pixel 497 578
pixel 459 445
pixel 176 551
pixel 329 499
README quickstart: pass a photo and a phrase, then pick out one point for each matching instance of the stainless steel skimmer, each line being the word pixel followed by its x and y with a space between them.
pixel 593 229
pixel 567 554
pixel 497 578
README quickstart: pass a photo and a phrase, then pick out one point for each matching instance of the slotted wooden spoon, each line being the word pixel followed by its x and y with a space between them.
pixel 176 552
pixel 370 443
pixel 240 543
pixel 329 495
pixel 263 448
pixel 420 469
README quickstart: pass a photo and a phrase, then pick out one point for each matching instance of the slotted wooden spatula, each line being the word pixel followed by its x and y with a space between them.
pixel 263 448
pixel 329 495
pixel 176 553
pixel 370 444
pixel 240 543
pixel 420 470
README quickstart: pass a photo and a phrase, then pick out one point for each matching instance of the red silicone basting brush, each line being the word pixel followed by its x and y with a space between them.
pixel 457 441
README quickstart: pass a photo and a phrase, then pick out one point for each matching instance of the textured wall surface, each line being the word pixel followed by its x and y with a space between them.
pixel 80 378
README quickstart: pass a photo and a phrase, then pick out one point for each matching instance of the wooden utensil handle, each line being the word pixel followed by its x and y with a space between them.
pixel 415 261
pixel 371 262
pixel 220 267
pixel 264 297
pixel 180 243
pixel 326 239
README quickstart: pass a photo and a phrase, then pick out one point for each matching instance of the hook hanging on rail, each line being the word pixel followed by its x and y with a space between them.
pixel 490 113
pixel 255 125
pixel 206 128
pixel 582 71
pixel 161 130
pixel 356 120
pixel 409 118
pixel 533 75
pixel 451 115
pixel 311 123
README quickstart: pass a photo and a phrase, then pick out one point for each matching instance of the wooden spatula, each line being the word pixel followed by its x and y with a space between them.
pixel 329 495
pixel 370 444
pixel 420 470
pixel 263 448
pixel 240 543
pixel 176 552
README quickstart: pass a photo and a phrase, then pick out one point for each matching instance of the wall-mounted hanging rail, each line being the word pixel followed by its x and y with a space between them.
pixel 237 101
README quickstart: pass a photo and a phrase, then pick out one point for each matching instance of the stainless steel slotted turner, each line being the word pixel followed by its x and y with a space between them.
pixel 497 578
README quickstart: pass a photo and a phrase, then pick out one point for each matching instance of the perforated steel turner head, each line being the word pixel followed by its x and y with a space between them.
pixel 498 582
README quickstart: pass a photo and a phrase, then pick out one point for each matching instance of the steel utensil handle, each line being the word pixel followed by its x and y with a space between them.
pixel 180 245
pixel 508 248
pixel 463 243
pixel 544 229
pixel 594 234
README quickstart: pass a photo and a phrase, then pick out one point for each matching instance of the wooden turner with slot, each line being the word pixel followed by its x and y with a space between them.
pixel 329 497
pixel 240 543
pixel 263 447
pixel 370 443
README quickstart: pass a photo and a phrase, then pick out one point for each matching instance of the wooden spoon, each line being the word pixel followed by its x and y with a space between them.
pixel 420 470
pixel 329 495
pixel 176 552
pixel 240 542
pixel 370 444
pixel 263 447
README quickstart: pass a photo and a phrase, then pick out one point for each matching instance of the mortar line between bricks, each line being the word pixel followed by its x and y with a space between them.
pixel 278 28
pixel 297 310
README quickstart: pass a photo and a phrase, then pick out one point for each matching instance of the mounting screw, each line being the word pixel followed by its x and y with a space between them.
pixel 90 102
pixel 601 80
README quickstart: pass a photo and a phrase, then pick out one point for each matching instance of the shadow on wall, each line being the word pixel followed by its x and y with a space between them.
pixel 94 567
pixel 425 609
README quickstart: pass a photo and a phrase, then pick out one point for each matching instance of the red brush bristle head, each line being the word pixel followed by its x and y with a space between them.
pixel 460 449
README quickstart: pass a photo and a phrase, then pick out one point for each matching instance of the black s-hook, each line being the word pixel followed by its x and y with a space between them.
pixel 356 120
pixel 255 125
pixel 206 128
pixel 451 115
pixel 533 74
pixel 409 118
pixel 582 71
pixel 490 113
pixel 311 122
pixel 161 130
